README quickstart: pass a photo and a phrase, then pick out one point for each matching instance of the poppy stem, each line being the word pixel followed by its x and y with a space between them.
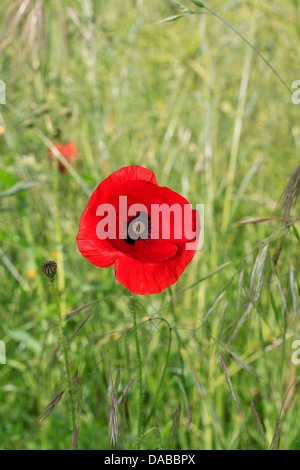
pixel 66 356
pixel 140 371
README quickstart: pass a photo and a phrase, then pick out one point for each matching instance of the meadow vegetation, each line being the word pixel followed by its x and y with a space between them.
pixel 190 100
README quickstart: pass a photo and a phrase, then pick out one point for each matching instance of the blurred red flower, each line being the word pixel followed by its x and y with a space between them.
pixel 69 151
pixel 145 260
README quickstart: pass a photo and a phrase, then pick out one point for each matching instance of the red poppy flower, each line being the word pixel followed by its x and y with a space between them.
pixel 140 228
pixel 58 146
pixel 69 151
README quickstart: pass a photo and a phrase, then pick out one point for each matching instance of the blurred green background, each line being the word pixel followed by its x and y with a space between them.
pixel 192 102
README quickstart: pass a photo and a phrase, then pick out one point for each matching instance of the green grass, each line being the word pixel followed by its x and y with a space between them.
pixel 192 102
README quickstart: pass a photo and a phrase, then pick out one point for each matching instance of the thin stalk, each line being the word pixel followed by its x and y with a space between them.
pixel 140 370
pixel 236 141
pixel 212 12
pixel 66 356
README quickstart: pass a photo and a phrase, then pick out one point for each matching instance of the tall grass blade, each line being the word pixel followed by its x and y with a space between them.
pixel 275 444
pixel 113 423
pixel 75 437
pixel 49 408
pixel 173 435
pixel 228 380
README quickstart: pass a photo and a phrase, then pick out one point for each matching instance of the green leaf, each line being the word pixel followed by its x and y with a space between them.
pixel 16 188
pixel 170 18
pixel 199 4
pixel 297 445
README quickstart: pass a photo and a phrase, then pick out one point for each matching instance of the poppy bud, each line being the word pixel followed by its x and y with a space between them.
pixel 49 269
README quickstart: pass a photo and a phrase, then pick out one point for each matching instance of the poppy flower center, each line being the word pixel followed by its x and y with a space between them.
pixel 138 228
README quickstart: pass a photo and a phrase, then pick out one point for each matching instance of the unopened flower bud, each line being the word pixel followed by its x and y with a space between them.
pixel 49 269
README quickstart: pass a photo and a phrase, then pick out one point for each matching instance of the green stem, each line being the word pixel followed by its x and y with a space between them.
pixel 140 371
pixel 66 356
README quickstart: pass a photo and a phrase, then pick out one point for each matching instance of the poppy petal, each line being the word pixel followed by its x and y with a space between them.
pixel 147 250
pixel 101 255
pixel 150 278
pixel 119 177
pixel 99 252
